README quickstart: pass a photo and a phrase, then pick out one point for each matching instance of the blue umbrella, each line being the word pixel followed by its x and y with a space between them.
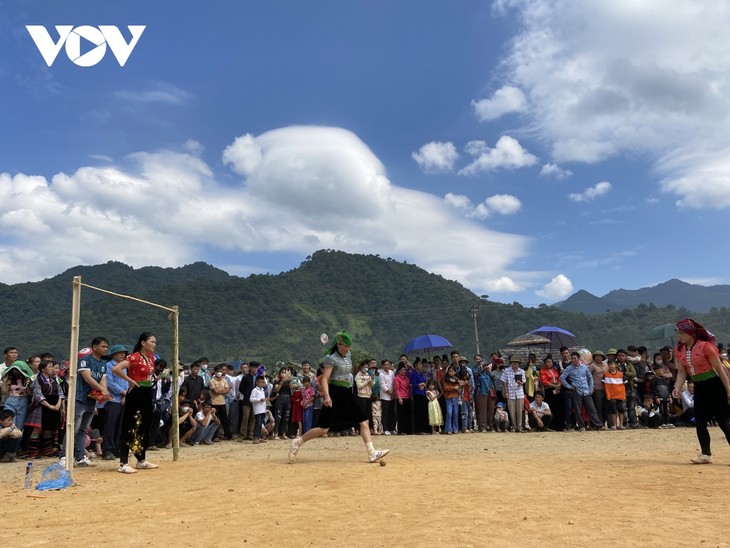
pixel 558 336
pixel 427 342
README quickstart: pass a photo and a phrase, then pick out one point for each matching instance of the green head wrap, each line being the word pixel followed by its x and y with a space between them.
pixel 22 367
pixel 342 337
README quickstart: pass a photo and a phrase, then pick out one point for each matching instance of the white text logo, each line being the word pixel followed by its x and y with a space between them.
pixel 100 37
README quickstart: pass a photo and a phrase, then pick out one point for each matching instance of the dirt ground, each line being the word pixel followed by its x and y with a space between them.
pixel 539 489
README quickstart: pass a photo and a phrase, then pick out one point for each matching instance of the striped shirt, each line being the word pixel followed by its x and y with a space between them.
pixel 614 384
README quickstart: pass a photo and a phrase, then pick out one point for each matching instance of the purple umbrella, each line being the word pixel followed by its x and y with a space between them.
pixel 558 336
pixel 426 342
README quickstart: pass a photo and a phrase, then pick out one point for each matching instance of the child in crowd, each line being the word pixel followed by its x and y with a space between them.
pixel 376 407
pixel 9 436
pixel 435 417
pixel 465 410
pixel 308 394
pixel 258 403
pixel 615 387
pixel 649 414
pixel 267 430
pixel 451 395
pixel 297 410
pixel 501 418
pixel 661 391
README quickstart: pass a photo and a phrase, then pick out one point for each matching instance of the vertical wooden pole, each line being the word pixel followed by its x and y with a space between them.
pixel 175 384
pixel 73 363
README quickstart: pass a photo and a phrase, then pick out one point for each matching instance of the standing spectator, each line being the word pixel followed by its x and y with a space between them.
pixel 219 389
pixel 451 396
pixel 92 376
pixel 569 411
pixel 10 355
pixel 550 380
pixel 194 385
pixel 364 382
pixel 245 388
pixel 16 380
pixel 496 373
pixel 615 388
pixel 418 393
pixel 114 408
pixel 629 371
pixel 387 401
pixel 297 412
pixel 234 419
pixel 532 377
pixel 435 418
pixel 307 404
pixel 513 381
pixel 258 407
pixel 281 396
pixel 137 369
pixel 161 402
pixel 577 379
pixel 597 368
pixel 402 389
pixel 697 357
pixel 485 396
pixel 45 416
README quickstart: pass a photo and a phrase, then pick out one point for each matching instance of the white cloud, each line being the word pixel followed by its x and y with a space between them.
pixel 310 188
pixel 591 193
pixel 458 201
pixel 243 155
pixel 503 284
pixel 436 157
pixel 159 92
pixel 507 153
pixel 554 170
pixel 505 100
pixel 503 204
pixel 661 90
pixel 558 288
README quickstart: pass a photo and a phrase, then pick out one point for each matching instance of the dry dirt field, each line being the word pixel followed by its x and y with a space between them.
pixel 633 488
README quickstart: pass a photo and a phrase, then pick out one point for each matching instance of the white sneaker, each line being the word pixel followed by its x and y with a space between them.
pixel 144 465
pixel 387 433
pixel 375 457
pixel 702 459
pixel 62 461
pixel 296 443
pixel 126 469
pixel 84 463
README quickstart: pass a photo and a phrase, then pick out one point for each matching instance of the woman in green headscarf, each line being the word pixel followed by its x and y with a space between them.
pixel 340 410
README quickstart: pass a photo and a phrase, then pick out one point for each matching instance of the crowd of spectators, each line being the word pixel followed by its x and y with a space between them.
pixel 449 394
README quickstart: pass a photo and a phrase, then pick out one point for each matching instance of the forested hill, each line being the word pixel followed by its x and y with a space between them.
pixel 382 302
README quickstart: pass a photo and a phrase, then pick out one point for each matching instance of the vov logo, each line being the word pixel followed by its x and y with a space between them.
pixel 101 37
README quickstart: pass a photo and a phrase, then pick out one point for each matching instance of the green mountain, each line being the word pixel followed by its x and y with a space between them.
pixel 382 302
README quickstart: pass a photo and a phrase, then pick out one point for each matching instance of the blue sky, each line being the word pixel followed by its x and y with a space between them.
pixel 525 149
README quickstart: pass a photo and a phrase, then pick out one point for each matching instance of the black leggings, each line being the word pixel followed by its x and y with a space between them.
pixel 711 402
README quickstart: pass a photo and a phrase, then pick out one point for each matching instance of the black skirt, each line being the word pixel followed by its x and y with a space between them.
pixel 50 420
pixel 344 413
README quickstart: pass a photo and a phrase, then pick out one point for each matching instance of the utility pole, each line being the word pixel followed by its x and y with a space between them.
pixel 473 310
